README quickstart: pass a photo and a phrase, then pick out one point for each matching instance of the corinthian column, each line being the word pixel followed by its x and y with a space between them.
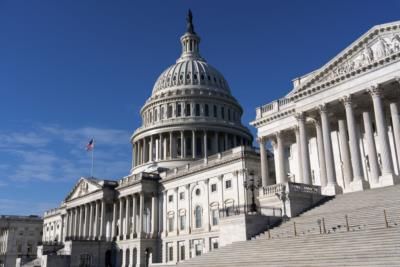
pixel 383 140
pixel 299 161
pixel 304 148
pixel 371 149
pixel 332 187
pixel 345 153
pixel 263 161
pixel 280 161
pixel 358 183
pixel 321 153
pixel 396 130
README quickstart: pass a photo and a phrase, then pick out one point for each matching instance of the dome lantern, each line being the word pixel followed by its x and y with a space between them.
pixel 190 41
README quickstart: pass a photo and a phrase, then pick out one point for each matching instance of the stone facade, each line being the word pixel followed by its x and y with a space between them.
pixel 19 237
pixel 338 128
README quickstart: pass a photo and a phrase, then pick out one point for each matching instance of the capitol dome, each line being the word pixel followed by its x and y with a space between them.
pixel 190 114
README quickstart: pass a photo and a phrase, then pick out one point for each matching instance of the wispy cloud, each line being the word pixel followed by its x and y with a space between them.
pixel 52 153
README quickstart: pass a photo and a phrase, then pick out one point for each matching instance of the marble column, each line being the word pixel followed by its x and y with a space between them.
pixel 80 233
pixel 396 130
pixel 263 162
pixel 332 187
pixel 371 149
pixel 358 183
pixel 75 231
pixel 165 213
pixel 151 148
pixel 170 145
pixel 226 141
pixel 183 145
pixel 114 220
pixel 141 212
pixel 86 222
pixel 299 161
pixel 154 216
pixel 121 219
pixel 90 220
pixel 383 139
pixel 205 145
pixel 96 220
pixel 127 217
pixel 304 148
pixel 160 147
pixel 165 148
pixel 345 153
pixel 321 153
pixel 280 166
pixel 194 144
pixel 134 212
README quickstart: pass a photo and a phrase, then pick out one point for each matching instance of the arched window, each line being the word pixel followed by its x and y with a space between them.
pixel 197 214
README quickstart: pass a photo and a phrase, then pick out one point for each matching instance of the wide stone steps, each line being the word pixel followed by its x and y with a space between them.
pixel 367 243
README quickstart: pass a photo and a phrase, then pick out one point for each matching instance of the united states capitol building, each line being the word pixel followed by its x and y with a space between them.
pixel 197 184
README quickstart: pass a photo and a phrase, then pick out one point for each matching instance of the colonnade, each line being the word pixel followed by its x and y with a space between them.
pixel 129 217
pixel 183 144
pixel 380 165
pixel 86 221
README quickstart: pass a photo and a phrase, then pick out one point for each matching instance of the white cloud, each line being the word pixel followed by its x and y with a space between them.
pixel 17 139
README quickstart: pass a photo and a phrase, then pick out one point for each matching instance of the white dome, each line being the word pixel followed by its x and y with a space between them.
pixel 189 73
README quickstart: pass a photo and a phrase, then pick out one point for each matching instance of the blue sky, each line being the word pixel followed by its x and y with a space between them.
pixel 70 70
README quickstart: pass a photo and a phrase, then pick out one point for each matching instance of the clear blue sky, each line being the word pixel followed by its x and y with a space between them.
pixel 70 70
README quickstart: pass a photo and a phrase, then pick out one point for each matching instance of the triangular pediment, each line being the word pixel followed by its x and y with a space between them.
pixel 378 44
pixel 83 187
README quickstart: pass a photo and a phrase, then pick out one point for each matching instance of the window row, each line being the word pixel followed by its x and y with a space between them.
pixel 198 219
pixel 197 192
pixel 182 109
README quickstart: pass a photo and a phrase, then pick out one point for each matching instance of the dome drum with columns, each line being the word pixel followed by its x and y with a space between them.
pixel 191 113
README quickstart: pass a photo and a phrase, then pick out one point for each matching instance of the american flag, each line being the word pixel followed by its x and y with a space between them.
pixel 90 145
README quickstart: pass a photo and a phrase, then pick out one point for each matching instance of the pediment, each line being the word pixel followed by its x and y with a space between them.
pixel 379 44
pixel 83 187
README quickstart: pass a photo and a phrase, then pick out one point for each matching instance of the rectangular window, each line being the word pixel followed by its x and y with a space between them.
pixel 197 111
pixel 215 245
pixel 215 111
pixel 182 253
pixel 198 249
pixel 181 195
pixel 171 253
pixel 179 110
pixel 169 111
pixel 213 187
pixel 223 113
pixel 170 198
pixel 229 114
pixel 228 184
pixel 182 222
pixel 171 224
pixel 215 216
pixel 187 110
pixel 206 111
pixel 162 112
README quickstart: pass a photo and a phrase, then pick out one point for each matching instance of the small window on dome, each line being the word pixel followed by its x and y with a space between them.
pixel 202 77
pixel 180 77
pixel 215 79
pixel 209 78
pixel 195 76
pixel 188 76
pixel 174 78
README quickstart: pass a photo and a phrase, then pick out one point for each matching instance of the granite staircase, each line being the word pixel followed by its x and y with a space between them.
pixel 355 229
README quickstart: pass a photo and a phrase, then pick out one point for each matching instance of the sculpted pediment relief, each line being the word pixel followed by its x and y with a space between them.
pixel 379 43
pixel 83 187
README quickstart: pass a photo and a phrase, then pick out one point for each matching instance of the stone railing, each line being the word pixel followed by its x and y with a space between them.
pixel 290 187
pixel 304 188
pixel 273 107
pixel 51 212
pixel 271 190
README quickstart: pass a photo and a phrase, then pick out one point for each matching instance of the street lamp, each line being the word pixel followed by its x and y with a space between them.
pixel 252 185
pixel 283 196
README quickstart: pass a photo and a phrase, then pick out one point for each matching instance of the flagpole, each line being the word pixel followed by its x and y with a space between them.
pixel 91 170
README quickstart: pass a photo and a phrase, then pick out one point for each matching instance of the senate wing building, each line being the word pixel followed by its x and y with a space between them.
pixel 197 184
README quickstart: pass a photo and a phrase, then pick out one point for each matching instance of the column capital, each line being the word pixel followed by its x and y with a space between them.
pixel 262 140
pixel 375 90
pixel 322 108
pixel 346 100
pixel 300 116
